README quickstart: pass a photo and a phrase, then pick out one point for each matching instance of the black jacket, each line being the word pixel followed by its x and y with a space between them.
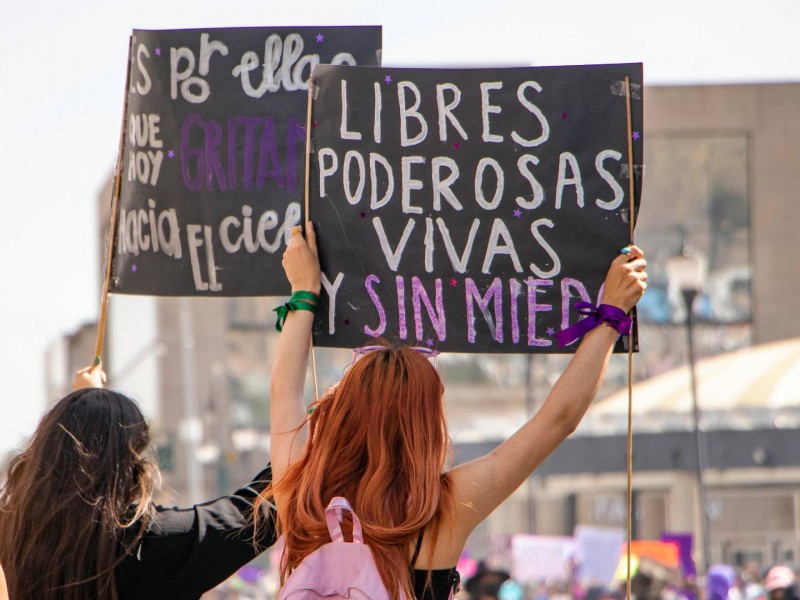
pixel 187 551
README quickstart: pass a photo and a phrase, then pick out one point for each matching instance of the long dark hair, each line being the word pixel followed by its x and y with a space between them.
pixel 72 497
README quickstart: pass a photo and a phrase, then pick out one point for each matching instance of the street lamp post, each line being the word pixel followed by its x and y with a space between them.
pixel 686 272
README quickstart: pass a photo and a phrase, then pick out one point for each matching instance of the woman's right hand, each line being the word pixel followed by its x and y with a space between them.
pixel 300 261
pixel 89 377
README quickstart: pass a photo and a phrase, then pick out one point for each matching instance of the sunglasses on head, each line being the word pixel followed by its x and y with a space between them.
pixel 425 351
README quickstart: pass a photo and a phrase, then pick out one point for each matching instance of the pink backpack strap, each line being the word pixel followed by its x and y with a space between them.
pixel 334 516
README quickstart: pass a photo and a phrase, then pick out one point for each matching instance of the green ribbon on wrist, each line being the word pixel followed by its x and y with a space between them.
pixel 299 301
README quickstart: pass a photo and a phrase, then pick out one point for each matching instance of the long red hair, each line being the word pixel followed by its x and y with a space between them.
pixel 379 439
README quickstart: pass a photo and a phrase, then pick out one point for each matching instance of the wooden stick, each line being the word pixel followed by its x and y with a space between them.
pixel 308 146
pixel 631 188
pixel 308 217
pixel 112 223
pixel 629 461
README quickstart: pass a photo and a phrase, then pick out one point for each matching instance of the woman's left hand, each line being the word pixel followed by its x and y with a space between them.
pixel 626 280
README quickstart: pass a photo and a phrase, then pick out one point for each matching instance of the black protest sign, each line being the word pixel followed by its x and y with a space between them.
pixel 468 210
pixel 213 167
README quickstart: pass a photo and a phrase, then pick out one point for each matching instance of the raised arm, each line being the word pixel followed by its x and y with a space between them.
pixel 287 409
pixel 481 485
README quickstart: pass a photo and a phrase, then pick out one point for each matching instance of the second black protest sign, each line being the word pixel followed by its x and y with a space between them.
pixel 213 167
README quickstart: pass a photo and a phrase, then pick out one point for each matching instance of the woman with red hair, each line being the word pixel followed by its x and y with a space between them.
pixel 379 439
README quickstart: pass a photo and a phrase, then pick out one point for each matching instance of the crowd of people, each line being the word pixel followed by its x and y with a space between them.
pixel 720 582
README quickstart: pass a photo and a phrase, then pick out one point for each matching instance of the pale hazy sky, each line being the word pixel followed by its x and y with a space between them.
pixel 62 66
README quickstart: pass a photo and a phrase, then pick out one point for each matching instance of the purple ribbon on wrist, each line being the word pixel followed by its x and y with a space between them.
pixel 605 313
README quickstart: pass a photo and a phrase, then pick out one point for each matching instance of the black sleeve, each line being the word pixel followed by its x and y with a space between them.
pixel 186 552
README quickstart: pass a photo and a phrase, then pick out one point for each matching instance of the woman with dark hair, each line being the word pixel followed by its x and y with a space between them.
pixel 379 439
pixel 78 522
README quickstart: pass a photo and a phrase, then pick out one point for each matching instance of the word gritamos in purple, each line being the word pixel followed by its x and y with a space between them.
pixel 242 153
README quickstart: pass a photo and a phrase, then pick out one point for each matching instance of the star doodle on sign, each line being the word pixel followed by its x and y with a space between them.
pixel 171 154
pixel 363 214
pixel 551 331
pixel 517 213
pixel 456 145
pixel 347 322
pixel 453 283
pixel 320 37
pixel 134 268
pixel 158 51
pixel 564 116
pixel 636 135
pixel 387 79
pixel 429 343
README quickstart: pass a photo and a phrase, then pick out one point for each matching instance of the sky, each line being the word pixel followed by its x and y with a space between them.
pixel 62 67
